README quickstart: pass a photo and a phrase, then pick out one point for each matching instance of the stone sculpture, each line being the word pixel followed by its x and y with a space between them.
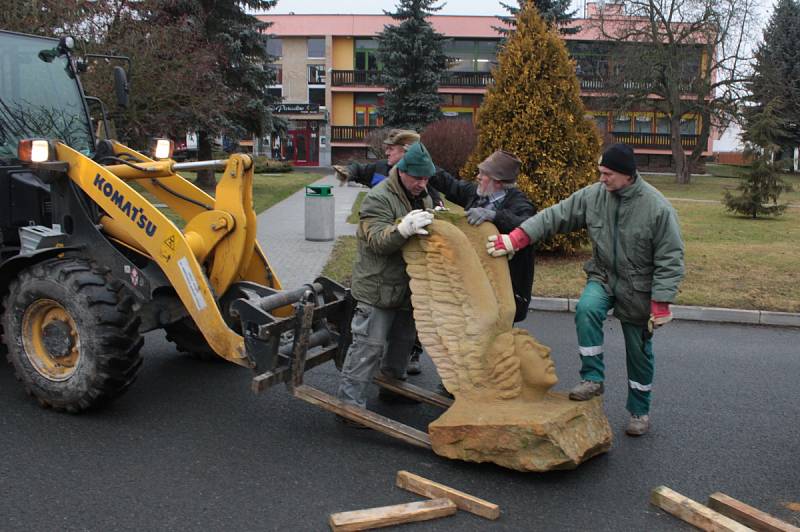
pixel 500 376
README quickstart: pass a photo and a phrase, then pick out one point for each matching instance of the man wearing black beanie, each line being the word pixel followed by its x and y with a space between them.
pixel 636 268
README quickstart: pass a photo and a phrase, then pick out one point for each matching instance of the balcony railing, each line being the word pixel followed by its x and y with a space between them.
pixel 600 84
pixel 658 141
pixel 466 79
pixel 353 78
pixel 350 133
pixel 371 78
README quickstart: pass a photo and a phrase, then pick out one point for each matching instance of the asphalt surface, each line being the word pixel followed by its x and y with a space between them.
pixel 189 447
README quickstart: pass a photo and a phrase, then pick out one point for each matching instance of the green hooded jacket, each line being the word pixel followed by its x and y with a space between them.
pixel 637 250
pixel 379 273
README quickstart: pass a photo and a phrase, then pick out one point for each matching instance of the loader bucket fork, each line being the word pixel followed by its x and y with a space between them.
pixel 286 347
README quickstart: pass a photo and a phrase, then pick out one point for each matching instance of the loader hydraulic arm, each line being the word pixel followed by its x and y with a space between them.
pixel 216 248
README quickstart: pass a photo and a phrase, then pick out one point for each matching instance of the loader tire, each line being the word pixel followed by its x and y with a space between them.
pixel 71 335
pixel 188 339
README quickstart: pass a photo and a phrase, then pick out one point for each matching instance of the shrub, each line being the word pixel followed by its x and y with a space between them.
pixel 534 111
pixel 264 165
pixel 374 140
pixel 450 143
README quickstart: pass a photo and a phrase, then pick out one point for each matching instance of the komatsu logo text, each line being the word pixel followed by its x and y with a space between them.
pixel 136 214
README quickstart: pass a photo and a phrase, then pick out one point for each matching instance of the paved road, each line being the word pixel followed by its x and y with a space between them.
pixel 190 448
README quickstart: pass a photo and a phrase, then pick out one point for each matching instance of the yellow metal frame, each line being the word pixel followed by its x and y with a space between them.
pixel 220 240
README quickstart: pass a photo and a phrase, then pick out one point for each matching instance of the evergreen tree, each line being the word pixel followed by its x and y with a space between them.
pixel 775 83
pixel 554 12
pixel 534 110
pixel 760 189
pixel 413 59
pixel 243 60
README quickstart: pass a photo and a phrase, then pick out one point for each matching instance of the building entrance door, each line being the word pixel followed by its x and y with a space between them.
pixel 300 148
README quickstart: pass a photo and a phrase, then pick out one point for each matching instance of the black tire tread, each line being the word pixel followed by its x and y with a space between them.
pixel 113 331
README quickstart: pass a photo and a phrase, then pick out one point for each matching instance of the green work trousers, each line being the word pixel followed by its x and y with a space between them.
pixel 590 314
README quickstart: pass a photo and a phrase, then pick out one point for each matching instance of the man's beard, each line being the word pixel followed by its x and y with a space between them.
pixel 482 191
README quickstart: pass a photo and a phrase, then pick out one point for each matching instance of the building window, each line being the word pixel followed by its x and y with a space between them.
pixel 278 68
pixel 471 56
pixel 316 96
pixel 622 123
pixel 688 126
pixel 662 125
pixel 316 74
pixel 643 123
pixel 316 47
pixel 275 47
pixel 367 115
pixel 276 92
pixel 366 54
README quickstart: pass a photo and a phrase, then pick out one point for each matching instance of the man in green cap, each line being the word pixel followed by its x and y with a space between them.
pixel 370 174
pixel 383 325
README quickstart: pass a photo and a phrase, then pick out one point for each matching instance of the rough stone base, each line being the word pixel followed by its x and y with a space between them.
pixel 554 433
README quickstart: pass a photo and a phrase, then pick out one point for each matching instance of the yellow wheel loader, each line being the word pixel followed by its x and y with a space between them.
pixel 89 263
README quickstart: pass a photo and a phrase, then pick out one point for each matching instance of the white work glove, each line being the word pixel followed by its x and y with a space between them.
pixel 500 245
pixel 506 245
pixel 414 222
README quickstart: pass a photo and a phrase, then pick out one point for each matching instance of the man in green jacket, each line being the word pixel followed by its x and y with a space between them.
pixel 636 267
pixel 383 325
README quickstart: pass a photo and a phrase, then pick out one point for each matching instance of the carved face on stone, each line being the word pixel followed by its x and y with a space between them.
pixel 535 364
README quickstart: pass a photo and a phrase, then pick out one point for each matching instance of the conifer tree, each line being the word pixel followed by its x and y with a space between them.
pixel 534 110
pixel 758 191
pixel 761 187
pixel 775 83
pixel 413 59
pixel 554 12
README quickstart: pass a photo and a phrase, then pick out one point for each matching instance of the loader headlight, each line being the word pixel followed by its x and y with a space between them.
pixel 33 150
pixel 163 148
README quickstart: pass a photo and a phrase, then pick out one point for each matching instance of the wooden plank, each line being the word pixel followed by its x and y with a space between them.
pixel 747 515
pixel 464 501
pixel 414 392
pixel 693 512
pixel 365 417
pixel 391 515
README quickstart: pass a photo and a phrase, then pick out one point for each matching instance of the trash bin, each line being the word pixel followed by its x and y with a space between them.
pixel 319 213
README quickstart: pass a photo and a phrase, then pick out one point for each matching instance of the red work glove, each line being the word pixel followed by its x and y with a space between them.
pixel 659 315
pixel 500 245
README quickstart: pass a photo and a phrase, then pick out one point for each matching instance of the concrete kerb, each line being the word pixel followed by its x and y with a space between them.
pixel 683 312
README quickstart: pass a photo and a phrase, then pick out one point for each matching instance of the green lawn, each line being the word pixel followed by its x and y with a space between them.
pixel 713 187
pixel 731 261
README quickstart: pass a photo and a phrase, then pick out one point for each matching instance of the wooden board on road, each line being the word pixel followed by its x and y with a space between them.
pixel 391 515
pixel 693 512
pixel 464 501
pixel 746 514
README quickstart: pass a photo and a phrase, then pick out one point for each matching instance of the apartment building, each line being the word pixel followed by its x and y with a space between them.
pixel 329 85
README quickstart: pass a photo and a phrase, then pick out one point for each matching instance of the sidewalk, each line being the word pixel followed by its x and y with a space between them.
pixel 281 232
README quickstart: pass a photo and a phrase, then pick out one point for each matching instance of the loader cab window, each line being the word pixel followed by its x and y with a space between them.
pixel 37 98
